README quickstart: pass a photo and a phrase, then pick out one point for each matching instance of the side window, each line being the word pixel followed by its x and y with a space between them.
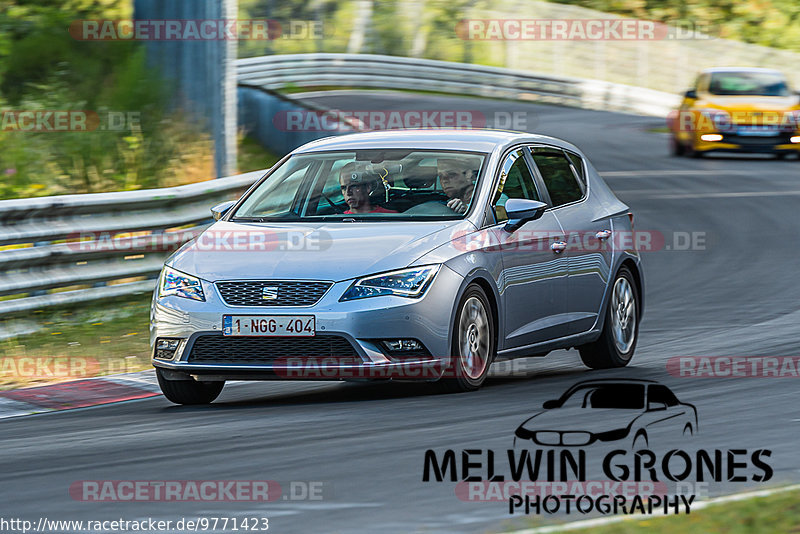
pixel 702 83
pixel 662 394
pixel 577 166
pixel 558 177
pixel 516 181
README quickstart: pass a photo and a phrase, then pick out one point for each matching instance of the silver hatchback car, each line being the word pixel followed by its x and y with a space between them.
pixel 404 255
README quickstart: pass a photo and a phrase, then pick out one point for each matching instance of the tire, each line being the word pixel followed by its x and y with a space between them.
pixel 617 341
pixel 189 391
pixel 692 152
pixel 474 343
pixel 676 148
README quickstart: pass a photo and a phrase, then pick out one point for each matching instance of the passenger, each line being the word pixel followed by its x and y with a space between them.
pixel 456 178
pixel 356 189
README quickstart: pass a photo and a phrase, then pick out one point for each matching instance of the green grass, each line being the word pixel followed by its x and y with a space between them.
pixel 252 156
pixel 108 337
pixel 778 513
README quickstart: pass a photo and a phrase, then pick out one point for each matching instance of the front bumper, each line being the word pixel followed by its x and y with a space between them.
pixel 359 323
pixel 736 143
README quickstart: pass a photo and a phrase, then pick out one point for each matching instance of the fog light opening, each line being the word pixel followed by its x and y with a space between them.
pixel 795 139
pixel 400 345
pixel 711 137
pixel 166 348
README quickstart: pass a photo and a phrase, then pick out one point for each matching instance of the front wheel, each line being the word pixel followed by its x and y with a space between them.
pixel 474 343
pixel 189 391
pixel 615 346
pixel 676 148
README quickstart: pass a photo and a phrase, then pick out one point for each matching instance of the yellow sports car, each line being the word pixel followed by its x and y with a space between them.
pixel 737 110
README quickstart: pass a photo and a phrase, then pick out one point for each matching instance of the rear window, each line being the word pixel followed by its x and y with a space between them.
pixel 557 174
pixel 607 396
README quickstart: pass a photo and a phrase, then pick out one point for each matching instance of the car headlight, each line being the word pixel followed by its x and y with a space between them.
pixel 410 283
pixel 180 284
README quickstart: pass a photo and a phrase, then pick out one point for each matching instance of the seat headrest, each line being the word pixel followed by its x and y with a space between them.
pixel 420 177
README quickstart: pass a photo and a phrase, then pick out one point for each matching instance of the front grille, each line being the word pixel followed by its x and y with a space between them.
pixel 285 293
pixel 757 141
pixel 226 349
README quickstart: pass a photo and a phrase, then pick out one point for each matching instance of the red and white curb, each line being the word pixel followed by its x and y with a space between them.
pixel 78 394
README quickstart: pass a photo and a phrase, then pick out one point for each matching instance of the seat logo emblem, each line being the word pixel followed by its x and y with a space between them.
pixel 269 293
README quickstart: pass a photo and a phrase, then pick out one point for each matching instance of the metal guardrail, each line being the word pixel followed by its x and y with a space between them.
pixel 75 248
pixel 394 72
pixel 310 71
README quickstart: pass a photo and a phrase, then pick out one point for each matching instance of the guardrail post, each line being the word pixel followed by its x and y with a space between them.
pixel 202 71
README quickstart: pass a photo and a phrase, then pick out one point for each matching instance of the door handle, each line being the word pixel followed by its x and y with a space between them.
pixel 558 247
pixel 603 234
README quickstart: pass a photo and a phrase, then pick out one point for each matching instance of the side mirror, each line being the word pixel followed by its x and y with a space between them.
pixel 520 211
pixel 656 406
pixel 221 209
pixel 549 405
pixel 691 93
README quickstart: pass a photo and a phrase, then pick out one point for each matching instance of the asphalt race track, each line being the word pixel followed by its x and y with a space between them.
pixel 738 296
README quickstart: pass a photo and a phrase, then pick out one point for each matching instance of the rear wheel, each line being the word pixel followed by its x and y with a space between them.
pixel 617 342
pixel 474 343
pixel 189 391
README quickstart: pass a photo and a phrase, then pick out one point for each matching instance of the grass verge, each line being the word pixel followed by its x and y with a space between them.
pixel 778 513
pixel 109 337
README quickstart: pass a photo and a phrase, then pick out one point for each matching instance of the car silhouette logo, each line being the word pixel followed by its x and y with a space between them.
pixel 269 293
pixel 606 410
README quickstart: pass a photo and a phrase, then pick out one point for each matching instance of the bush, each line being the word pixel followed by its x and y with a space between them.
pixel 43 68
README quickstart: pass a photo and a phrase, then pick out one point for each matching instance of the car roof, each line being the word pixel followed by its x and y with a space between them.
pixel 742 69
pixel 472 140
pixel 599 381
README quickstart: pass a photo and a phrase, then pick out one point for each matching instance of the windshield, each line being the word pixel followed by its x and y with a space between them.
pixel 368 185
pixel 618 396
pixel 748 83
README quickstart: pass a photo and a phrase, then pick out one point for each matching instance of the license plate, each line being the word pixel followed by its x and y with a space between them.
pixel 758 131
pixel 268 325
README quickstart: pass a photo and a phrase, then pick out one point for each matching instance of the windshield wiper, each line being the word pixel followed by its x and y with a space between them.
pixel 248 219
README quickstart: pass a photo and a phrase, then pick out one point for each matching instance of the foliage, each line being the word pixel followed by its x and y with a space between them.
pixel 774 23
pixel 426 28
pixel 43 68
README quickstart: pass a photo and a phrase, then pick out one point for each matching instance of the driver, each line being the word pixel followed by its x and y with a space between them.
pixel 456 177
pixel 356 189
